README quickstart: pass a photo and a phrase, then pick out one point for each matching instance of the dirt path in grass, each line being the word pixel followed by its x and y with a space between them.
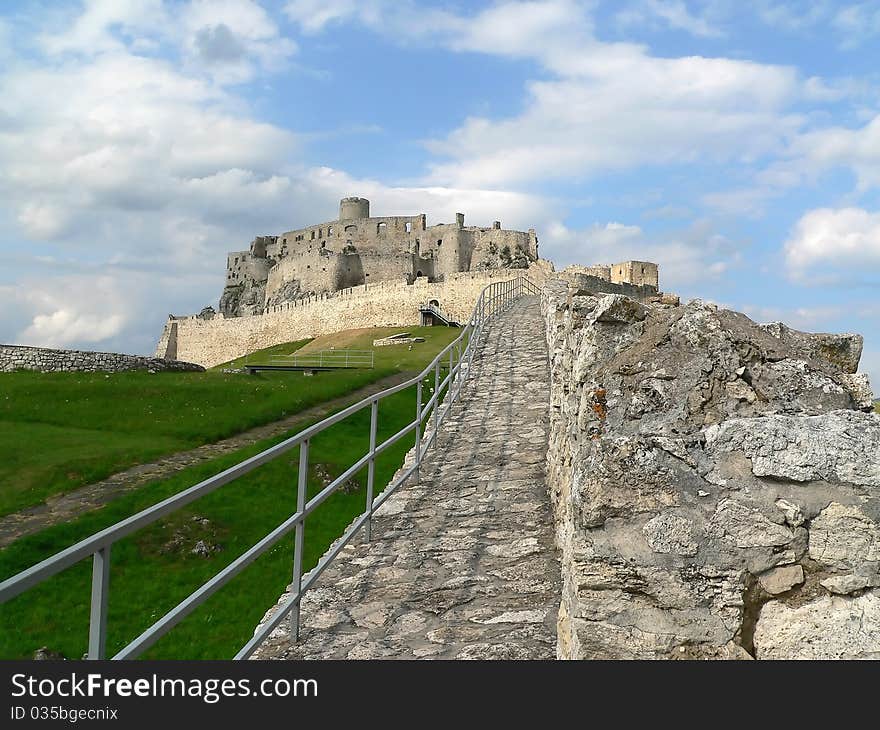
pixel 70 505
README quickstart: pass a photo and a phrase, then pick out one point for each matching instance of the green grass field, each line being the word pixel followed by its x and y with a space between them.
pixel 152 570
pixel 61 430
pixel 150 573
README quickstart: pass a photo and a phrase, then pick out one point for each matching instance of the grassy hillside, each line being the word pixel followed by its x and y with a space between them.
pixel 152 570
pixel 61 430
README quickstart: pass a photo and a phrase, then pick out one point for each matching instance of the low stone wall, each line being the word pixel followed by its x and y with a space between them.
pixel 213 341
pixel 590 284
pixel 45 360
pixel 715 484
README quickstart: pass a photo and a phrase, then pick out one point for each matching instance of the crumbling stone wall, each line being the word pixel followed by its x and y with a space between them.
pixel 716 484
pixel 590 284
pixel 18 357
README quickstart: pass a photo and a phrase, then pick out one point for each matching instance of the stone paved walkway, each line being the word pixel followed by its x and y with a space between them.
pixel 462 564
pixel 70 505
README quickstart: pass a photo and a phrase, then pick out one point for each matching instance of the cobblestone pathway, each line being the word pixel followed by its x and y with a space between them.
pixel 462 564
pixel 70 505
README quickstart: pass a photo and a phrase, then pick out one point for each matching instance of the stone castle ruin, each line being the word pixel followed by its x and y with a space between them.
pixel 363 271
pixel 358 249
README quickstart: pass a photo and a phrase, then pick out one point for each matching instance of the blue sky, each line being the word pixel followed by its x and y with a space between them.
pixel 737 144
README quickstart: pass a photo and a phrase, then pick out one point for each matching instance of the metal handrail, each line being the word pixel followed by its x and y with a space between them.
pixel 326 358
pixel 492 300
pixel 437 312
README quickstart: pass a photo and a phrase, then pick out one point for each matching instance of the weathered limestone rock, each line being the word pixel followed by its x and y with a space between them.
pixel 705 469
pixel 669 533
pixel 841 446
pixel 618 309
pixel 845 584
pixel 780 580
pixel 831 627
pixel 845 538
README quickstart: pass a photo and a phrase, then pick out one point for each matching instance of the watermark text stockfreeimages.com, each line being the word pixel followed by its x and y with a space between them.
pixel 94 684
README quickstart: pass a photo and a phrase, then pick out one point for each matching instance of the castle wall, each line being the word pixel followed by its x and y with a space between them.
pixel 488 245
pixel 638 273
pixel 585 283
pixel 600 271
pixel 242 266
pixel 218 340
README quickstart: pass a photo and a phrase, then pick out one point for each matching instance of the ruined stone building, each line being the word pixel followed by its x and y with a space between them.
pixel 359 249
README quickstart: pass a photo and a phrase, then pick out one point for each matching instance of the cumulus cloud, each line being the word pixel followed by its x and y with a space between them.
pixel 606 106
pixel 673 14
pixel 857 149
pixel 229 40
pixel 833 242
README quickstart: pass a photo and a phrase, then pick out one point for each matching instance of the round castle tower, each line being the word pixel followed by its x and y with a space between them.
pixel 350 208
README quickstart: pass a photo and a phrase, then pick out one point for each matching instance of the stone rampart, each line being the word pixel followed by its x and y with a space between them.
pixel 590 284
pixel 45 360
pixel 214 341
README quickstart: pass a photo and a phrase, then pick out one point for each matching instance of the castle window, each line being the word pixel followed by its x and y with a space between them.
pixel 381 228
pixel 409 227
pixel 284 241
pixel 439 241
pixel 350 229
pixel 313 235
pixel 320 233
pixel 330 231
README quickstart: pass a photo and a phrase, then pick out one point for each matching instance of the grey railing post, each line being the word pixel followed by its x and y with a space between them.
pixel 299 535
pixel 98 611
pixel 460 373
pixel 436 394
pixel 371 469
pixel 449 390
pixel 418 428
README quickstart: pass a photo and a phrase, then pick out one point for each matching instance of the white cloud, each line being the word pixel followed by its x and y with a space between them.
pixel 607 106
pixel 828 242
pixel 230 36
pixel 857 23
pixel 64 310
pixel 230 40
pixel 857 149
pixel 673 14
pixel 95 29
pixel 623 111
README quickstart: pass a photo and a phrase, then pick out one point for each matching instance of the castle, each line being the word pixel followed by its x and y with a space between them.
pixel 360 271
pixel 358 249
